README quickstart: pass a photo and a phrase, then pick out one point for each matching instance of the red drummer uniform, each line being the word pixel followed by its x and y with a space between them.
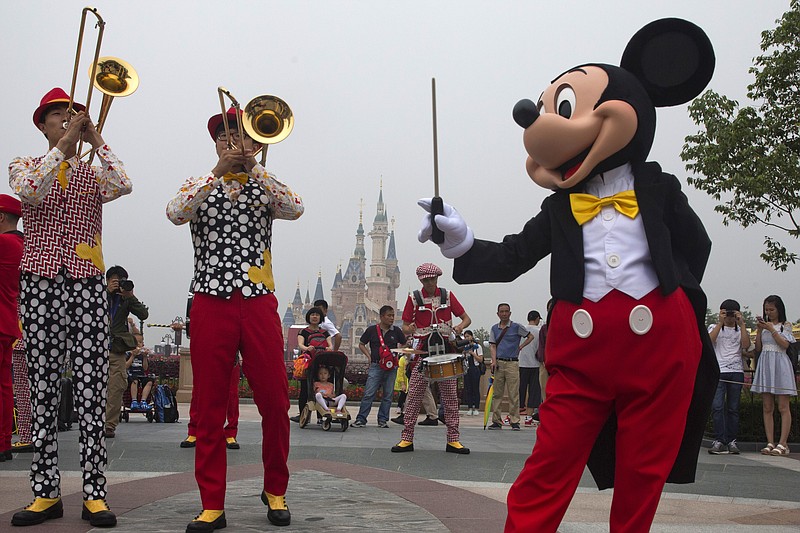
pixel 235 310
pixel 422 318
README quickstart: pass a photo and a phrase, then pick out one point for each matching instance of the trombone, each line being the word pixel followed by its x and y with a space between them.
pixel 267 120
pixel 110 75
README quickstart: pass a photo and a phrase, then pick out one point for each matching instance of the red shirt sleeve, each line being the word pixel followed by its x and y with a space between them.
pixel 455 305
pixel 408 311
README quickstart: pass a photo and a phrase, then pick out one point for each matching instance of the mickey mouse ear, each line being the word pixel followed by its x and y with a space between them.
pixel 672 58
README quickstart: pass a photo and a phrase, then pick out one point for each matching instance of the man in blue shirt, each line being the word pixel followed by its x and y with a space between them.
pixel 392 337
pixel 504 342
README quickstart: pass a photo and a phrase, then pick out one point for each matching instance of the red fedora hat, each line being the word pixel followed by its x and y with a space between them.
pixel 9 204
pixel 216 120
pixel 56 95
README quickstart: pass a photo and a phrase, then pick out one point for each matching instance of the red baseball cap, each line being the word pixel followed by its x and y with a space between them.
pixel 216 120
pixel 56 95
pixel 9 204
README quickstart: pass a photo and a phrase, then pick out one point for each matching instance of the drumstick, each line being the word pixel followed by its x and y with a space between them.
pixel 437 205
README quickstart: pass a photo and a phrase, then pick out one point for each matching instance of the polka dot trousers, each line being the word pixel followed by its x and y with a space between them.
pixel 65 318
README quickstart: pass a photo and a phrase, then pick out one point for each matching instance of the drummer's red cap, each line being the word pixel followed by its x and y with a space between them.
pixel 428 270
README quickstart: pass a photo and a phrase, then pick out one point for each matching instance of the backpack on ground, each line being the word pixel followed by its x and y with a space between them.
pixel 166 404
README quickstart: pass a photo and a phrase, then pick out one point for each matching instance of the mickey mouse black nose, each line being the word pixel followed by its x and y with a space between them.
pixel 525 113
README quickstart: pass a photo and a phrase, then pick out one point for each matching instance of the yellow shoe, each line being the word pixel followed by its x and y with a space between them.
pixel 190 442
pixel 40 510
pixel 456 447
pixel 277 511
pixel 208 520
pixel 22 447
pixel 231 443
pixel 98 514
pixel 403 446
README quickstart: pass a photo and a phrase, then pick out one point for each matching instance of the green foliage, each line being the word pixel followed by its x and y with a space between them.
pixel 481 334
pixel 748 158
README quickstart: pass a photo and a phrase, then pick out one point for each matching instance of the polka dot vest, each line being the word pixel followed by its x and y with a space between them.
pixel 232 240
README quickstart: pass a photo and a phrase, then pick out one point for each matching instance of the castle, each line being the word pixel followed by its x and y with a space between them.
pixel 356 295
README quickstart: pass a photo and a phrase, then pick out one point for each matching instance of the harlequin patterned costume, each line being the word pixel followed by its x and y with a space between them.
pixel 234 309
pixel 63 304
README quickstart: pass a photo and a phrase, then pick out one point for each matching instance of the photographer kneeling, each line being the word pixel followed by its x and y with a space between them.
pixel 121 303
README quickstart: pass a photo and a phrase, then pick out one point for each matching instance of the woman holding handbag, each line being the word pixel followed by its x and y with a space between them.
pixel 774 376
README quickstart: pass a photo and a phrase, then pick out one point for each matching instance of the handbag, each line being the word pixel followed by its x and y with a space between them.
pixel 792 351
pixel 388 359
pixel 301 365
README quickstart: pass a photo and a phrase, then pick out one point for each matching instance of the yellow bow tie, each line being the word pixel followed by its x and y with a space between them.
pixel 586 206
pixel 62 174
pixel 241 177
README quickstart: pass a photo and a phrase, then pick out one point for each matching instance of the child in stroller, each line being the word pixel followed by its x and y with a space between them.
pixel 137 364
pixel 326 377
pixel 323 392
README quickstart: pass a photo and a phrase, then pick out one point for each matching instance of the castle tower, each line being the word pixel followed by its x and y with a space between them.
pixel 378 282
pixel 318 295
pixel 392 271
pixel 297 307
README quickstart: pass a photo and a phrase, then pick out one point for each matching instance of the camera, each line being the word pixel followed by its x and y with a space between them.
pixel 730 313
pixel 462 343
pixel 126 285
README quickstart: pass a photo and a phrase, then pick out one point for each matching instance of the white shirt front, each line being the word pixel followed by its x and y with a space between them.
pixel 615 249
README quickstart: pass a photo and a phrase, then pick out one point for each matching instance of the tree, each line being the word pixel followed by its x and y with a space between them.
pixel 751 155
pixel 481 334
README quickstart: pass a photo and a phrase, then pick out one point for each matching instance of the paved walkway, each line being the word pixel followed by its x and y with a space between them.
pixel 346 481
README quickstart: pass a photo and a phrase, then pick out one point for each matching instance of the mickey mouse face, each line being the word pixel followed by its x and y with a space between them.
pixel 574 129
pixel 596 117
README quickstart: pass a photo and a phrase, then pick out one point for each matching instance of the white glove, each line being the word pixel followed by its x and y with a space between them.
pixel 458 237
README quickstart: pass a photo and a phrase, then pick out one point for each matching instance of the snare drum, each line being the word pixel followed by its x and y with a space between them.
pixel 444 367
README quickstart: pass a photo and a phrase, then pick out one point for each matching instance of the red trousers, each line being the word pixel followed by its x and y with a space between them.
pixel 6 392
pixel 220 328
pixel 647 380
pixel 232 414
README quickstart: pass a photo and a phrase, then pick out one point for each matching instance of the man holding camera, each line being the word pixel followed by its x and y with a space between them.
pixel 729 336
pixel 121 303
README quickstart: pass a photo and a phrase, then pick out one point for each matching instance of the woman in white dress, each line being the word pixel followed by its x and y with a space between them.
pixel 774 373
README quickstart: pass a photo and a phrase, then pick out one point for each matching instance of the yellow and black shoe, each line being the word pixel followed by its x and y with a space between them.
pixel 403 446
pixel 98 514
pixel 40 510
pixel 456 447
pixel 277 511
pixel 207 521
pixel 22 447
pixel 190 442
pixel 231 443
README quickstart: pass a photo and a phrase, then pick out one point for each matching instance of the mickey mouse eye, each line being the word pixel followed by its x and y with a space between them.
pixel 565 101
pixel 540 107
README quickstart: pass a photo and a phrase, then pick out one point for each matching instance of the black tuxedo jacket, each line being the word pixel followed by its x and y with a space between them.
pixel 679 247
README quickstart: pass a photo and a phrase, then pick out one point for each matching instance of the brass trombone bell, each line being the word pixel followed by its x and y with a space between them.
pixel 268 119
pixel 114 77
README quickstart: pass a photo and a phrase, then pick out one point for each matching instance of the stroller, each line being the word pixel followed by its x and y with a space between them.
pixel 336 362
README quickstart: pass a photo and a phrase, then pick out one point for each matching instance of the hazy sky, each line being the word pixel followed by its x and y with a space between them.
pixel 357 76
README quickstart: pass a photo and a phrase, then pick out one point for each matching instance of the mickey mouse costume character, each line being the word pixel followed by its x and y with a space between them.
pixel 629 358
